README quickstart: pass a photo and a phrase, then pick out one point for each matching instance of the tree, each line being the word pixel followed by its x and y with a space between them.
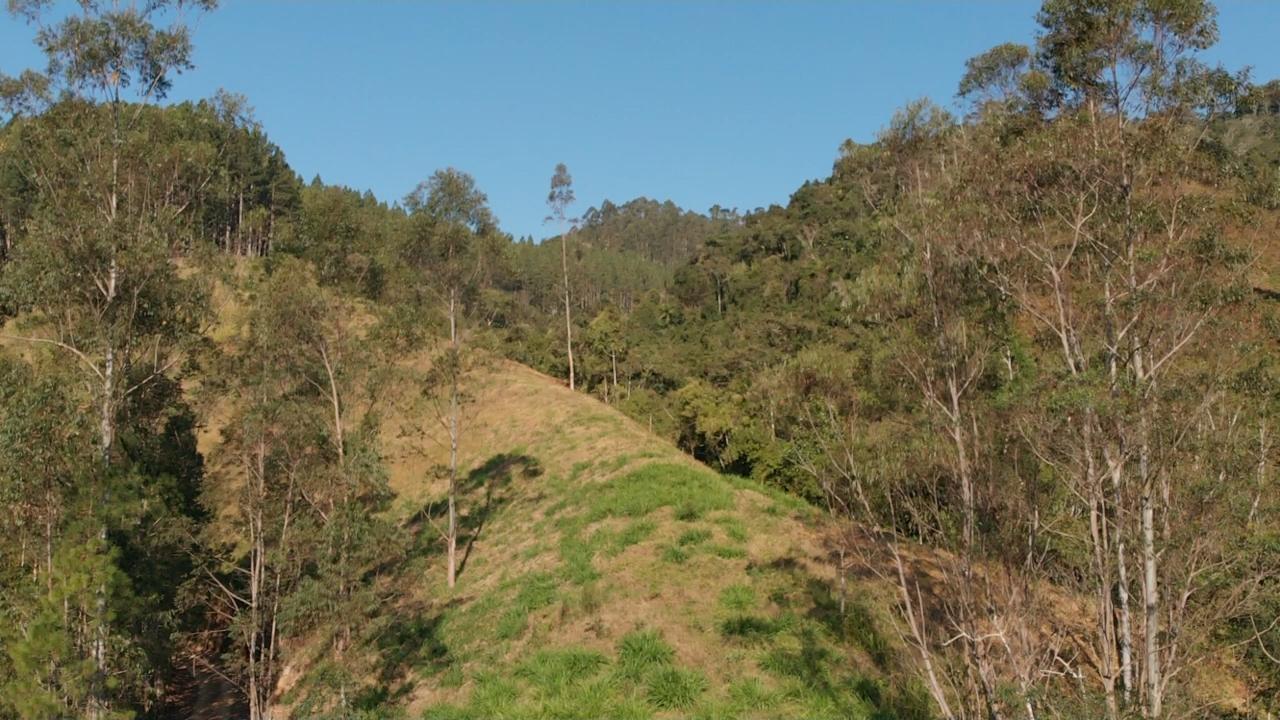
pixel 1094 239
pixel 559 200
pixel 94 272
pixel 446 247
pixel 605 337
pixel 302 451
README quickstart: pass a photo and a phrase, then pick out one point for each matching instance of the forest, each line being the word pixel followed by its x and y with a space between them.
pixel 982 425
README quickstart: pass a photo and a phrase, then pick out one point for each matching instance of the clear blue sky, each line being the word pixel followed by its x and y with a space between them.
pixel 699 102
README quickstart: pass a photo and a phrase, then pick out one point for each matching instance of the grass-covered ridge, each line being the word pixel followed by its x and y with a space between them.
pixel 607 575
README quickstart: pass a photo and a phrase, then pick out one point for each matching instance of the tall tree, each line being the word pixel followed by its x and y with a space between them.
pixel 446 246
pixel 1095 239
pixel 94 273
pixel 559 200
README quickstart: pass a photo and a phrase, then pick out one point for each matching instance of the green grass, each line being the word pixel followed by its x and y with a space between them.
pixel 738 597
pixel 693 537
pixel 552 671
pixel 691 491
pixel 783 503
pixel 578 468
pixel 810 664
pixel 634 533
pixel 675 555
pixel 494 696
pixel 750 694
pixel 671 688
pixel 642 650
pixel 577 554
pixel 727 552
pixel 733 527
pixel 749 627
pixel 537 591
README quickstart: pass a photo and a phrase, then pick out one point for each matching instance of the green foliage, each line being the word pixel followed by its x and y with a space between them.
pixel 880 347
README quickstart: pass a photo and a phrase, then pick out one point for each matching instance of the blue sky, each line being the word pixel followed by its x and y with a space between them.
pixel 701 102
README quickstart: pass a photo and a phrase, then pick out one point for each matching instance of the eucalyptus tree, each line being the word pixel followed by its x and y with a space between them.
pixel 450 246
pixel 91 271
pixel 1100 227
pixel 559 200
pixel 301 453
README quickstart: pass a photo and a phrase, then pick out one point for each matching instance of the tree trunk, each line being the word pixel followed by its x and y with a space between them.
pixel 1150 584
pixel 451 535
pixel 1100 542
pixel 98 706
pixel 568 320
pixel 1122 582
pixel 915 625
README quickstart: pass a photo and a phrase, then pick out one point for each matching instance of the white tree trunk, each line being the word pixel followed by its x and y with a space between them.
pixel 568 319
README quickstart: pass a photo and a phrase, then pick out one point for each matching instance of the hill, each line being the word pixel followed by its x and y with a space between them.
pixel 604 573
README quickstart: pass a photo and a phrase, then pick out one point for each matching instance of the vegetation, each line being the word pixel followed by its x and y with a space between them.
pixel 979 426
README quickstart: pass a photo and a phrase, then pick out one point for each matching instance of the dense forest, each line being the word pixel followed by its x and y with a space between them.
pixel 1013 365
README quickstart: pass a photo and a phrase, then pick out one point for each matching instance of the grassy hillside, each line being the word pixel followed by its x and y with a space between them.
pixel 605 573
pixel 610 575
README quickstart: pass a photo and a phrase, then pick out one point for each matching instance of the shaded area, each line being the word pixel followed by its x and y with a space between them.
pixel 481 493
pixel 803 644
pixel 409 642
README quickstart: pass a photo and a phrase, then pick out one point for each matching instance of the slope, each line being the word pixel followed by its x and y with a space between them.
pixel 607 574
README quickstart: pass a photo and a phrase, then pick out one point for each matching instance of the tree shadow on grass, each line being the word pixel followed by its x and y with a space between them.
pixel 410 640
pixel 481 493
pixel 494 476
